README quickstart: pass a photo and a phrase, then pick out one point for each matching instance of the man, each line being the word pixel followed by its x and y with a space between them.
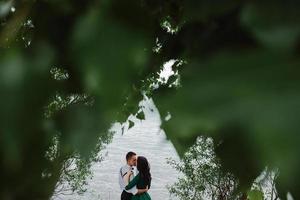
pixel 128 168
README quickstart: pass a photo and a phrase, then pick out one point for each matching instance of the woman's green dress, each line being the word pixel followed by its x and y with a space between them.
pixel 140 183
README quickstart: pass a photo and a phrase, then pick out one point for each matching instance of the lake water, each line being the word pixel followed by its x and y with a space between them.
pixel 145 138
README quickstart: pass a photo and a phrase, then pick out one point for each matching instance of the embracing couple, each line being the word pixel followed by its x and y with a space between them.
pixel 134 185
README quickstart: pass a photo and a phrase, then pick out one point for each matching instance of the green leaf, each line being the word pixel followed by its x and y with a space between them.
pixel 255 195
pixel 131 124
pixel 141 115
pixel 276 29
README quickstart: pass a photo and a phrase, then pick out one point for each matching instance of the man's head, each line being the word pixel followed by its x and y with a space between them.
pixel 131 158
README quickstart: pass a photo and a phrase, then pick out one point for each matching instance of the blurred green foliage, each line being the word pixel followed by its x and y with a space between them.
pixel 256 195
pixel 239 82
pixel 240 86
pixel 97 63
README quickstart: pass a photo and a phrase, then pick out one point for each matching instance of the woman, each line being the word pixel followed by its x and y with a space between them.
pixel 142 180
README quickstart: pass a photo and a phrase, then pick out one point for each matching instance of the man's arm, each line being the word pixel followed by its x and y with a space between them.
pixel 130 184
pixel 125 181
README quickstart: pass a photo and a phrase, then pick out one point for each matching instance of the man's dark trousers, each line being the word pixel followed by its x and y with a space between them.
pixel 126 196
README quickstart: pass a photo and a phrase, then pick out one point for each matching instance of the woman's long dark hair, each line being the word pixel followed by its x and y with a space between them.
pixel 144 169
